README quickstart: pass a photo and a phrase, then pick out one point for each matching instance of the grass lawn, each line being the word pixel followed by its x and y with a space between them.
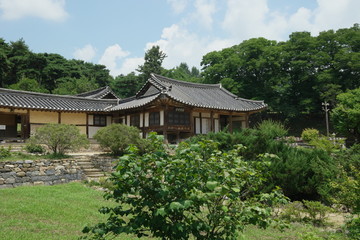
pixel 49 212
pixel 61 212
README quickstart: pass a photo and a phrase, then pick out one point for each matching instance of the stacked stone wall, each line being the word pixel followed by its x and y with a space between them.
pixel 106 164
pixel 39 172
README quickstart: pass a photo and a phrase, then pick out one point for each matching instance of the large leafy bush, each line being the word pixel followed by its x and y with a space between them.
pixel 59 138
pixel 117 137
pixel 301 173
pixel 199 192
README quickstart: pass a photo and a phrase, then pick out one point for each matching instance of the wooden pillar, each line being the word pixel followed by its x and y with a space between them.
pixel 59 117
pixel 212 121
pixel 200 123
pixel 247 120
pixel 27 124
pixel 230 123
pixel 87 125
pixel 143 124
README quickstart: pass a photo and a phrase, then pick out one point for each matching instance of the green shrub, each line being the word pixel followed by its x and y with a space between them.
pixel 301 173
pixel 59 138
pixel 317 212
pixel 272 129
pixel 5 152
pixel 199 192
pixel 117 137
pixel 293 211
pixel 353 227
pixel 34 148
pixel 310 134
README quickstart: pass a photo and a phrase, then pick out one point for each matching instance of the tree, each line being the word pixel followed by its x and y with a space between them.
pixel 346 115
pixel 126 85
pixel 182 72
pixel 153 60
pixel 60 138
pixel 199 192
pixel 27 84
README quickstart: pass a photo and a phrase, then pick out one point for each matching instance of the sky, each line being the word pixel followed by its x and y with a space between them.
pixel 117 33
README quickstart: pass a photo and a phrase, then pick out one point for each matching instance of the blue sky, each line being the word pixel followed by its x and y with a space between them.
pixel 117 33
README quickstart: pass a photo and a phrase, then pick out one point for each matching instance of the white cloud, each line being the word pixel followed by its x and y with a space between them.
pixel 178 6
pixel 87 53
pixel 246 19
pixel 111 57
pixel 242 19
pixel 204 12
pixel 334 14
pixel 45 9
pixel 180 45
pixel 130 65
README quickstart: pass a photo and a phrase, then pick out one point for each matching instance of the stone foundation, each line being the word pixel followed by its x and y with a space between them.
pixel 39 172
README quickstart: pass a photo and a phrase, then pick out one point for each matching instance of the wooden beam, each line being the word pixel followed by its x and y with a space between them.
pixel 200 123
pixel 87 125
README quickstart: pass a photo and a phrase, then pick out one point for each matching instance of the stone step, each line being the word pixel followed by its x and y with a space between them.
pixel 95 175
pixel 91 170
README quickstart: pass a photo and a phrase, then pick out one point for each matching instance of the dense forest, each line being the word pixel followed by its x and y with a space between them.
pixel 293 77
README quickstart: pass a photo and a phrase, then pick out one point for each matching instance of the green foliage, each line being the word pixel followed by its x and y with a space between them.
pixel 34 148
pixel 346 187
pixel 272 129
pixel 5 152
pixel 317 212
pixel 346 115
pixel 292 211
pixel 294 76
pixel 353 228
pixel 310 134
pixel 126 85
pixel 22 69
pixel 117 137
pixel 312 211
pixel 59 138
pixel 198 192
pixel 153 60
pixel 27 84
pixel 301 173
pixel 182 72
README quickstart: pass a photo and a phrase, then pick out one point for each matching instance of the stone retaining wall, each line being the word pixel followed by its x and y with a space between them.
pixel 38 172
pixel 106 164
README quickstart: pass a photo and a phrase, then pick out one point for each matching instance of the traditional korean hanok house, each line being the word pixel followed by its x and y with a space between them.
pixel 178 109
pixel 173 108
pixel 22 112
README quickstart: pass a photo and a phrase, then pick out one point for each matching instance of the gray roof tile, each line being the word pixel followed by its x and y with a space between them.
pixel 212 96
pixel 31 100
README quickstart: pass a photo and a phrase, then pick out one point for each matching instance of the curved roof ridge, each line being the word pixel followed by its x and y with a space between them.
pixel 92 92
pixel 29 93
pixel 179 82
pixel 98 93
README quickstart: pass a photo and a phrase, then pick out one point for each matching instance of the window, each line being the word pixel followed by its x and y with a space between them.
pixel 100 120
pixel 178 118
pixel 154 119
pixel 135 120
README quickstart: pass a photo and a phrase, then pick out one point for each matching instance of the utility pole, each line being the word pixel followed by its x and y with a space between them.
pixel 326 109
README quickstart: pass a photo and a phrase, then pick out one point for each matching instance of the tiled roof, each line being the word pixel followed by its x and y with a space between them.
pixel 133 102
pixel 32 100
pixel 101 93
pixel 212 96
